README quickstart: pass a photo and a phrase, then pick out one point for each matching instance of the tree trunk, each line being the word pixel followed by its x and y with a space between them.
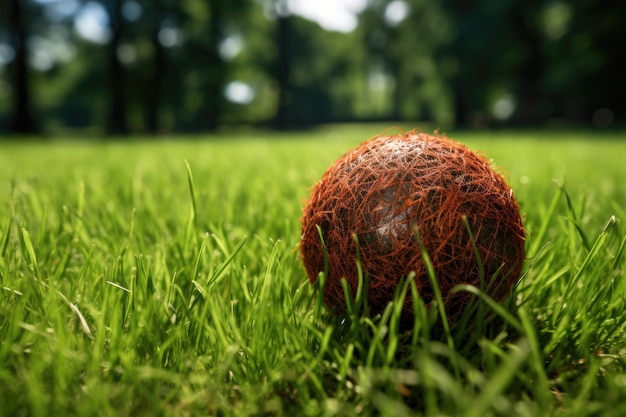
pixel 282 119
pixel 22 119
pixel 217 69
pixel 153 91
pixel 529 73
pixel 117 124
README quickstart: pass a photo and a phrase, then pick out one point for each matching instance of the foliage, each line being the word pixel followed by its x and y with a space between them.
pixel 168 65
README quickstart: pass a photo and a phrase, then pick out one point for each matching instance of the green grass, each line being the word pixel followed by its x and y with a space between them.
pixel 163 278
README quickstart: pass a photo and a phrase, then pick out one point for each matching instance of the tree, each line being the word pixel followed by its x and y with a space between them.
pixel 523 19
pixel 485 55
pixel 403 40
pixel 22 119
pixel 283 64
pixel 153 95
pixel 203 72
pixel 582 43
pixel 116 122
pixel 153 71
pixel 172 66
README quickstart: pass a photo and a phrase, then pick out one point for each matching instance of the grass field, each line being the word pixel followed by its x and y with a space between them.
pixel 163 278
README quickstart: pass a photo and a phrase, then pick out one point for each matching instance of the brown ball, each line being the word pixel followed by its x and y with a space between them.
pixel 393 190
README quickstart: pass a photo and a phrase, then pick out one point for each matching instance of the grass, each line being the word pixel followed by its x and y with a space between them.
pixel 163 278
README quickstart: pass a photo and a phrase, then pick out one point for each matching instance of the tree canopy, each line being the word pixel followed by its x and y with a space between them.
pixel 125 66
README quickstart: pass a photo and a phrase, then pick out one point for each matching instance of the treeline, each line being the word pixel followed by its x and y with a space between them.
pixel 128 66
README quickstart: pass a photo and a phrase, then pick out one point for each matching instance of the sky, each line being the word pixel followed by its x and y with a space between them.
pixel 339 15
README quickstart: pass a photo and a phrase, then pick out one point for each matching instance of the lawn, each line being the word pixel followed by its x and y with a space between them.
pixel 162 277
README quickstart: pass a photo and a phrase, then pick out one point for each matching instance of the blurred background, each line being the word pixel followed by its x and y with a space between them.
pixel 121 67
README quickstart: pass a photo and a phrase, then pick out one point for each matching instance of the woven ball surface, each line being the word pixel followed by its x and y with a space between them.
pixel 393 190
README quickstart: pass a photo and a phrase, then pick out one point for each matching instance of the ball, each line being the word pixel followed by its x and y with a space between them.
pixel 383 202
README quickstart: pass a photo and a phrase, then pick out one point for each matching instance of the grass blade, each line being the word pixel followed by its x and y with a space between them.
pixel 192 193
pixel 5 238
pixel 538 238
pixel 500 380
pixel 229 259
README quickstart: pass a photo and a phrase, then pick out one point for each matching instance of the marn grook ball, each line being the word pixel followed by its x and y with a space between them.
pixel 389 187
